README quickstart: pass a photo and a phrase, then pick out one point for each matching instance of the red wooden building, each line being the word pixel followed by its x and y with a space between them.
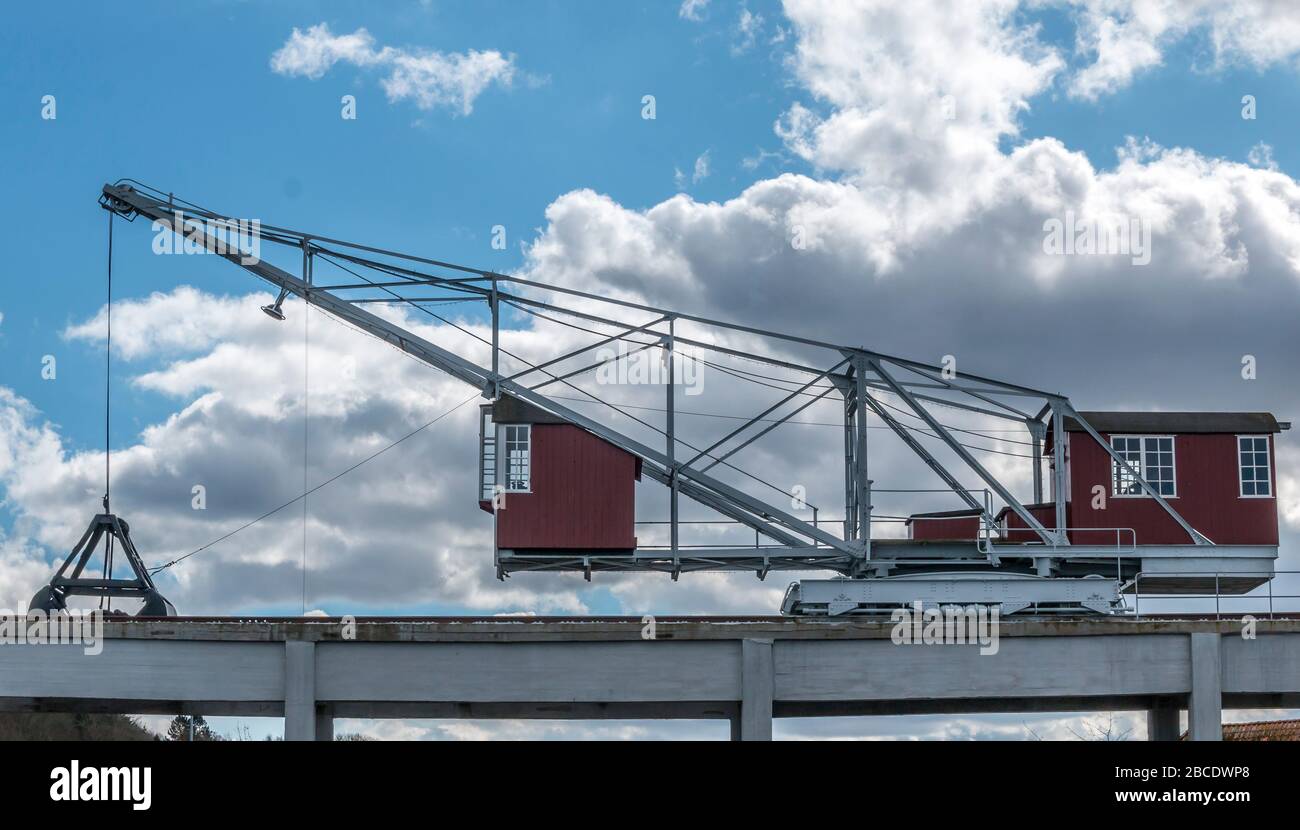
pixel 1216 469
pixel 554 486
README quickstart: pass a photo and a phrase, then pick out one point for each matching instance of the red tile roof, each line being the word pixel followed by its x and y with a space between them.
pixel 1265 730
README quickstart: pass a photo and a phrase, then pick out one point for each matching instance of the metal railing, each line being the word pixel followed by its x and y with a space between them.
pixel 1266 601
pixel 817 521
pixel 989 534
pixel 988 541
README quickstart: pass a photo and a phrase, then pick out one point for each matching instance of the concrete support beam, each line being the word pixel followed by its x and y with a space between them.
pixel 757 685
pixel 1162 722
pixel 324 722
pixel 299 690
pixel 747 671
pixel 1205 704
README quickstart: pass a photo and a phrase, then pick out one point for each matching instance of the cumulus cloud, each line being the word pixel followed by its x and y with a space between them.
pixel 427 77
pixel 181 321
pixel 1123 39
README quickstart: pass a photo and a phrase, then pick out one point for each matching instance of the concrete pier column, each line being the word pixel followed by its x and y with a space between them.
pixel 1162 721
pixel 757 685
pixel 1205 705
pixel 299 690
pixel 324 722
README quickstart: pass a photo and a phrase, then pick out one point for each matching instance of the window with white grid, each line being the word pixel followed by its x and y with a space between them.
pixel 1149 456
pixel 518 457
pixel 1252 461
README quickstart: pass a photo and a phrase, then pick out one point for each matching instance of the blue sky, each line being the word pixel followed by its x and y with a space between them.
pixel 184 97
pixel 219 125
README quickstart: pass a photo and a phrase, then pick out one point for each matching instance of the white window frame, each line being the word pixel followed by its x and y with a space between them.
pixel 1268 460
pixel 503 457
pixel 1142 467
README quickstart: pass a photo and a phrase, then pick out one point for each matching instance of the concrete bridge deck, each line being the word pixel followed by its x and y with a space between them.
pixel 745 669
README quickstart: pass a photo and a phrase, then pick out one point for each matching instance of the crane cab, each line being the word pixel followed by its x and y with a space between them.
pixel 1217 470
pixel 552 485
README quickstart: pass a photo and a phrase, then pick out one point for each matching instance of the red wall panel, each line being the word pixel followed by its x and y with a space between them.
pixel 582 495
pixel 1208 494
pixel 964 528
pixel 1018 531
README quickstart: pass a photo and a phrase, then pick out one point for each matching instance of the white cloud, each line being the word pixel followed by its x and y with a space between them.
pixel 1125 38
pixel 701 169
pixel 888 74
pixel 693 10
pixel 429 78
pixel 1288 485
pixel 454 80
pixel 314 52
pixel 699 172
pixel 748 27
pixel 181 321
pixel 1261 155
pixel 760 156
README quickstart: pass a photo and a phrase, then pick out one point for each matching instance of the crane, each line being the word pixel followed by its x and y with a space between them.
pixel 1047 572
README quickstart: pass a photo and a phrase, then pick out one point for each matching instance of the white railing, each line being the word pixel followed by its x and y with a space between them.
pixel 1265 603
pixel 989 538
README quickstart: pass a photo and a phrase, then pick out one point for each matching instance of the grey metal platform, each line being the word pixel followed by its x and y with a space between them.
pixel 1165 569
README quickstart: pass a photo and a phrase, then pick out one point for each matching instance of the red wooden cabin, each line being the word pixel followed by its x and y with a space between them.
pixel 1216 469
pixel 555 486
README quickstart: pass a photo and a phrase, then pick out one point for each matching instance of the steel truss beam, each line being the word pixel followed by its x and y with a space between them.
pixel 743 506
pixel 747 424
pixel 933 463
pixel 939 429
